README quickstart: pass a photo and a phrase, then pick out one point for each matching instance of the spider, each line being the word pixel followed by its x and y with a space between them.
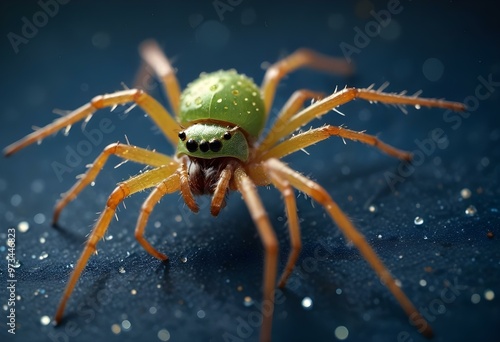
pixel 217 132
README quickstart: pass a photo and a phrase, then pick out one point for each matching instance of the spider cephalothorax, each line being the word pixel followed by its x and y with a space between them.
pixel 216 127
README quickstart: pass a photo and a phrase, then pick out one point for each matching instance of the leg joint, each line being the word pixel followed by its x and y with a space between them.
pixel 111 148
pixel 120 192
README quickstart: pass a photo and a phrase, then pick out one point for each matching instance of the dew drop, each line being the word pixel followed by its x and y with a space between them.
pixel 126 325
pixel 489 294
pixel 184 259
pixel 341 332
pixel 39 218
pixel 247 301
pixel 23 226
pixel 465 193
pixel 45 320
pixel 133 292
pixel 418 220
pixel 422 282
pixel 475 298
pixel 116 329
pixel 15 200
pixel 164 335
pixel 200 314
pixel 471 210
pixel 372 208
pixel 16 264
pixel 44 255
pixel 121 270
pixel 153 310
pixel 307 303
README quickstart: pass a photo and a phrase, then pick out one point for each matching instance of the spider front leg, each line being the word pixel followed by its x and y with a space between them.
pixel 336 99
pixel 247 189
pixel 319 194
pixel 315 135
pixel 153 108
pixel 290 108
pixel 168 186
pixel 123 190
pixel 127 152
pixel 298 59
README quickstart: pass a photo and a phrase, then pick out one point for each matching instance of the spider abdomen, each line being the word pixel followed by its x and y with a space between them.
pixel 224 96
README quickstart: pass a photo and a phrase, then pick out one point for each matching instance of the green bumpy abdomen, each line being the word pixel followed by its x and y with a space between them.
pixel 224 97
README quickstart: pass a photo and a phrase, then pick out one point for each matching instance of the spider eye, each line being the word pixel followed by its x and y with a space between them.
pixel 227 135
pixel 215 145
pixel 191 145
pixel 182 136
pixel 204 146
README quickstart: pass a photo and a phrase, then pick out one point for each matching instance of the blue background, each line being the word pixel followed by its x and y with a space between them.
pixel 90 48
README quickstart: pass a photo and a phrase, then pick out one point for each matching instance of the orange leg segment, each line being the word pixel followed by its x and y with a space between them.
pixel 247 189
pixel 313 136
pixel 291 107
pixel 153 108
pixel 298 59
pixel 169 185
pixel 293 224
pixel 156 59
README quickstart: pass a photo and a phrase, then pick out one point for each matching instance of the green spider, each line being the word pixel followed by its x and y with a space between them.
pixel 217 131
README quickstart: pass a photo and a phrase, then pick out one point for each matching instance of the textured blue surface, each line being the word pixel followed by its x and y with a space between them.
pixel 447 50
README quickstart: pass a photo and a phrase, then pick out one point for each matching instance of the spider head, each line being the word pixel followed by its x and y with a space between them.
pixel 209 141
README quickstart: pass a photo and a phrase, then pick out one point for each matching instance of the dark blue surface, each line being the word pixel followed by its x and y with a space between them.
pixel 85 50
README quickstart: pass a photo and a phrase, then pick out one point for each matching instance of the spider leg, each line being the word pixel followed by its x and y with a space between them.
pixel 300 58
pixel 124 189
pixel 169 185
pixel 316 192
pixel 247 188
pixel 153 108
pixel 186 193
pixel 153 55
pixel 315 135
pixel 293 224
pixel 336 99
pixel 291 107
pixel 127 152
pixel 220 192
